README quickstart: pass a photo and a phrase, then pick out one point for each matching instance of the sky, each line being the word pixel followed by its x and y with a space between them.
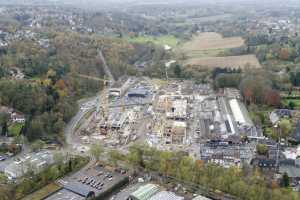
pixel 102 2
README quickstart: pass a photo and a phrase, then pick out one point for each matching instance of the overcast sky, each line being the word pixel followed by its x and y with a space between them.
pixel 102 2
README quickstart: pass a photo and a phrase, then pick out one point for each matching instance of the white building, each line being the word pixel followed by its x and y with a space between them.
pixel 34 162
pixel 165 195
pixel 240 113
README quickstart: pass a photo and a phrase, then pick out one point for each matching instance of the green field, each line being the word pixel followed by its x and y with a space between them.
pixel 295 101
pixel 15 129
pixel 159 40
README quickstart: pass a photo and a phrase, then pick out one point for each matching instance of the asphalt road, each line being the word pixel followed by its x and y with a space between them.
pixel 71 126
pixel 92 102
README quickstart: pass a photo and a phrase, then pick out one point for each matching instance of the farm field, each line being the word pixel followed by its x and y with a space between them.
pixel 160 40
pixel 210 49
pixel 224 62
pixel 210 40
pixel 207 53
pixel 210 18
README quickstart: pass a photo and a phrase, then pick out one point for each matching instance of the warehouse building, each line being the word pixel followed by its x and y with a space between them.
pixel 138 93
pixel 165 195
pixel 145 192
pixel 240 113
pixel 152 192
pixel 64 194
pixel 119 88
pixel 80 189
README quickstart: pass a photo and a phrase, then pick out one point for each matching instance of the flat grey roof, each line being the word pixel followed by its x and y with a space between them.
pixel 64 195
pixel 78 188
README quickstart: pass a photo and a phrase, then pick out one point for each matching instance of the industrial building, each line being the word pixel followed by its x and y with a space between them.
pixel 145 192
pixel 153 192
pixel 225 154
pixel 34 162
pixel 88 184
pixel 240 113
pixel 221 117
pixel 119 88
pixel 80 189
pixel 64 194
pixel 139 92
pixel 165 195
pixel 232 93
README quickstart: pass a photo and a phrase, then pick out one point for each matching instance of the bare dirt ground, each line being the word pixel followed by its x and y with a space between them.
pixel 211 40
pixel 209 49
pixel 224 62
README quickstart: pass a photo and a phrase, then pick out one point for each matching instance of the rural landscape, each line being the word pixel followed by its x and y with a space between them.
pixel 211 49
pixel 149 100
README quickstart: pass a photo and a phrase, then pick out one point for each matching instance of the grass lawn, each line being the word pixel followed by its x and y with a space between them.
pixel 286 102
pixel 43 193
pixel 159 40
pixel 15 129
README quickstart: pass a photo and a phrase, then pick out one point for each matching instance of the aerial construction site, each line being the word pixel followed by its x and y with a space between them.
pixel 173 115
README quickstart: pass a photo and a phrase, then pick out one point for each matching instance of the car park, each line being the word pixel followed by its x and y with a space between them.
pixel 97 179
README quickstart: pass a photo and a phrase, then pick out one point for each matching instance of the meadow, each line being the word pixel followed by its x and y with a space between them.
pixel 170 40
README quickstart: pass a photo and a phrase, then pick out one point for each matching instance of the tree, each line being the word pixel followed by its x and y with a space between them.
pixel 291 105
pixel 177 71
pixel 165 163
pixel 254 88
pixel 295 78
pixel 262 149
pixel 272 98
pixel 3 123
pixel 35 130
pixel 96 151
pixel 135 156
pixel 285 127
pixel 228 80
pixel 114 156
pixel 186 168
pixel 284 54
pixel 37 145
pixel 285 180
pixel 274 184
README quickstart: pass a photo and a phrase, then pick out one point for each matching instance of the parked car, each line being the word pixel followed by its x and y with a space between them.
pixel 2 158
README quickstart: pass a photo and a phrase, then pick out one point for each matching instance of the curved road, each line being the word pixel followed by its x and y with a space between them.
pixel 85 106
pixel 88 105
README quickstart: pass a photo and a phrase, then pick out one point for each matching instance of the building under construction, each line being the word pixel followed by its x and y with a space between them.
pixel 175 132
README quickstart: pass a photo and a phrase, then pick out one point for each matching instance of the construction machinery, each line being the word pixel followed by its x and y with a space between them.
pixel 102 109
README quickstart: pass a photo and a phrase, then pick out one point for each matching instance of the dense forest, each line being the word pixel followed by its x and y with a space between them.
pixel 52 85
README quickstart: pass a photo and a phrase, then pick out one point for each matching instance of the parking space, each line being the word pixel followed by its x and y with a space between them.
pixel 97 179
